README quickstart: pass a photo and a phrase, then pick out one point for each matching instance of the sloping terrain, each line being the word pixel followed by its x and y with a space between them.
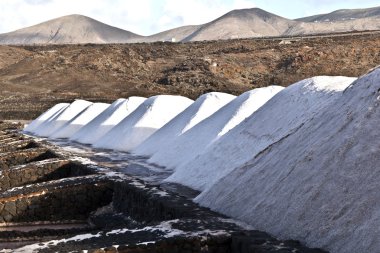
pixel 46 116
pixel 279 117
pixel 35 78
pixel 105 121
pixel 243 23
pixel 344 14
pixel 74 125
pixel 255 22
pixel 56 201
pixel 319 183
pixel 144 121
pixel 61 118
pixel 193 142
pixel 341 26
pixel 70 29
pixel 202 108
pixel 178 34
pixel 302 166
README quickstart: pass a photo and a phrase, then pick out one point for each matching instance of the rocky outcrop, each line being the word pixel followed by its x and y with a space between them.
pixel 55 201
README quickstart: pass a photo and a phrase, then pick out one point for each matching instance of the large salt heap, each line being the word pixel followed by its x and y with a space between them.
pixel 203 107
pixel 195 141
pixel 319 183
pixel 54 123
pixel 45 117
pixel 280 116
pixel 82 119
pixel 105 121
pixel 143 122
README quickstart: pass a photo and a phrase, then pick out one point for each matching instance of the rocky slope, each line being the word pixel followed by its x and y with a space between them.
pixel 344 14
pixel 34 78
pixel 243 23
pixel 68 30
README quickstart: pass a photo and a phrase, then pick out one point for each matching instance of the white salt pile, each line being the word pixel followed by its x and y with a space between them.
pixel 143 122
pixel 279 117
pixel 74 125
pixel 203 107
pixel 49 127
pixel 318 184
pixel 45 117
pixel 195 141
pixel 104 122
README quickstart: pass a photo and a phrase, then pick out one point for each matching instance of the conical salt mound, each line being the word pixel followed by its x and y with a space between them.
pixel 53 124
pixel 279 117
pixel 143 122
pixel 74 125
pixel 104 122
pixel 203 107
pixel 45 117
pixel 318 184
pixel 196 140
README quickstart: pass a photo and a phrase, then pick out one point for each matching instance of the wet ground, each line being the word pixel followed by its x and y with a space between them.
pixel 128 164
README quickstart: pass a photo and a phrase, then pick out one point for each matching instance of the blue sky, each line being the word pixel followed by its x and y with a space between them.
pixel 146 17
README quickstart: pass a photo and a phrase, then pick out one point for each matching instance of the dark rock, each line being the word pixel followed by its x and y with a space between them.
pixel 10 207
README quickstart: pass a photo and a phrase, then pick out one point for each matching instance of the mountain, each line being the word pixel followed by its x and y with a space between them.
pixel 72 29
pixel 179 34
pixel 242 23
pixel 255 22
pixel 338 21
pixel 360 24
pixel 344 14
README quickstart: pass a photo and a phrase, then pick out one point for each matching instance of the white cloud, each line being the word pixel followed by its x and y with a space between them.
pixel 142 16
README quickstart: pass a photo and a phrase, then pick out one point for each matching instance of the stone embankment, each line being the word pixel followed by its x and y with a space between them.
pixel 52 202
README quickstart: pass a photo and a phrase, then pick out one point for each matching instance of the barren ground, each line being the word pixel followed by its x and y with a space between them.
pixel 33 78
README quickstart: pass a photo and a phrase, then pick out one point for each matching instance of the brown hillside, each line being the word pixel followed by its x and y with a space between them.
pixel 34 78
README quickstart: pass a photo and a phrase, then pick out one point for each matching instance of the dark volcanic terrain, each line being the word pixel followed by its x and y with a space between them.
pixel 50 201
pixel 33 78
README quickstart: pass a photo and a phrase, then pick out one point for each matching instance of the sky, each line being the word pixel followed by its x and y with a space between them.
pixel 146 17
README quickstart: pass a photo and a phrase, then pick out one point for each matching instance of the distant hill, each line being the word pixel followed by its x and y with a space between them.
pixel 342 15
pixel 244 23
pixel 178 34
pixel 70 29
pixel 360 24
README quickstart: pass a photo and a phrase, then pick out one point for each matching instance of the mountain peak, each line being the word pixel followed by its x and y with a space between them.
pixel 70 29
pixel 239 23
pixel 260 13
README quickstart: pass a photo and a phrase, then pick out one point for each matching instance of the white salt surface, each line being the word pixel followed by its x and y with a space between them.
pixel 279 117
pixel 104 122
pixel 54 123
pixel 143 122
pixel 195 141
pixel 320 183
pixel 165 228
pixel 75 124
pixel 203 107
pixel 45 117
